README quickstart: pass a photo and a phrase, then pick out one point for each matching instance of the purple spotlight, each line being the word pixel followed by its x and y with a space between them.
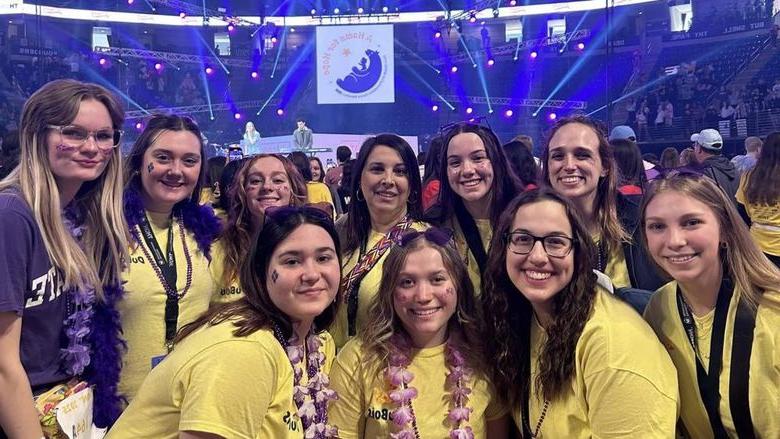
pixel 130 2
pixel 513 3
pixel 158 66
pixel 580 46
pixel 437 34
pixel 231 27
pixel 454 69
pixel 491 61
pixel 255 75
pixel 280 112
pixel 509 113
pixel 552 116
pixel 237 116
pixel 102 61
pixel 274 40
pixel 473 19
pixel 209 70
pixel 534 54
pixel 469 110
pixel 182 15
pixel 139 126
pixel 435 108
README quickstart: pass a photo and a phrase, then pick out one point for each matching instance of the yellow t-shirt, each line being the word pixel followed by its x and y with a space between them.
pixel 224 292
pixel 764 385
pixel 486 234
pixel 142 310
pixel 704 336
pixel 363 408
pixel 762 214
pixel 616 268
pixel 215 382
pixel 624 383
pixel 368 287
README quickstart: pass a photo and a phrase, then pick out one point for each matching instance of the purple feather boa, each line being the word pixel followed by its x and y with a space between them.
pixel 198 219
pixel 108 347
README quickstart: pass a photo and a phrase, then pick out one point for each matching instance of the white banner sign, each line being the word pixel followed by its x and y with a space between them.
pixel 355 64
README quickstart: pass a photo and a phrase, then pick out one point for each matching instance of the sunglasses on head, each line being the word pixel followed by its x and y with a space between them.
pixel 435 235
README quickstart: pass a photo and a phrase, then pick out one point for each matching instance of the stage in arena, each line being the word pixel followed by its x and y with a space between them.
pixel 324 145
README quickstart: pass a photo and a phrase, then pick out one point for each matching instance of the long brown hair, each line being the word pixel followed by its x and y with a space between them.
pixel 237 235
pixel 105 239
pixel 383 321
pixel 508 324
pixel 612 233
pixel 752 272
pixel 255 310
pixel 763 181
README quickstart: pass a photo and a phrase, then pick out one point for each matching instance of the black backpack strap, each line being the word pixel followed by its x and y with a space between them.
pixel 739 392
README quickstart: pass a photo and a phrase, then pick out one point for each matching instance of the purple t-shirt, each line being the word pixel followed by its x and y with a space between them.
pixel 31 287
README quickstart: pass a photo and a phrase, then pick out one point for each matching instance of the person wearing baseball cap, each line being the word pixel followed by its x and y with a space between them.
pixel 621 132
pixel 707 151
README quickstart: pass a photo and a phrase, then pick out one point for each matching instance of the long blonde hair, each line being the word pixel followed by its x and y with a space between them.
pixel 105 238
pixel 752 272
pixel 383 321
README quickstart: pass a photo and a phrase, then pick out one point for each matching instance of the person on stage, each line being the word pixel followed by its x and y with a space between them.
pixel 63 242
pixel 169 283
pixel 476 185
pixel 416 369
pixel 386 202
pixel 568 358
pixel 251 140
pixel 303 137
pixel 719 316
pixel 257 367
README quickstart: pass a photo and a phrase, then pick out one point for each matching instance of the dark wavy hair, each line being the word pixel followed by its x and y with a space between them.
pixel 358 222
pixel 155 126
pixel 628 158
pixel 612 232
pixel 505 183
pixel 763 181
pixel 239 228
pixel 255 310
pixel 508 324
pixel 522 162
pixel 301 162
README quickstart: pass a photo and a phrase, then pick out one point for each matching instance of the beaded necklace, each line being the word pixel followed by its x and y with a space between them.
pixel 169 290
pixel 399 377
pixel 313 411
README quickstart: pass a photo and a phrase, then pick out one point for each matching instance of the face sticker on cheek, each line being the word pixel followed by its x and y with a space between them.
pixel 274 276
pixel 150 167
pixel 65 148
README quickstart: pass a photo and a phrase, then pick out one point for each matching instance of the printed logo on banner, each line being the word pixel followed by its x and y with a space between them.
pixel 355 64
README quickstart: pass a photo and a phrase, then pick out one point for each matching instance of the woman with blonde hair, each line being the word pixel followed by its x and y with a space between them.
pixel 265 180
pixel 169 283
pixel 718 317
pixel 62 248
pixel 569 359
pixel 417 368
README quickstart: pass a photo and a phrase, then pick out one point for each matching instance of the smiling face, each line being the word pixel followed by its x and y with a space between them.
pixel 267 185
pixel 74 166
pixel 683 237
pixel 304 273
pixel 316 170
pixel 574 164
pixel 385 182
pixel 425 298
pixel 538 276
pixel 170 169
pixel 469 169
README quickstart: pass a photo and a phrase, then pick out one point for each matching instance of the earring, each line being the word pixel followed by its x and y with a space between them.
pixel 358 194
pixel 724 245
pixel 412 198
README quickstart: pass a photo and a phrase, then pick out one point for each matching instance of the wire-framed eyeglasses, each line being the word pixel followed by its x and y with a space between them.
pixel 556 246
pixel 76 136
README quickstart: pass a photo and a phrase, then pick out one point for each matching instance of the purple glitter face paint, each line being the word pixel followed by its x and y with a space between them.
pixel 150 167
pixel 274 276
pixel 65 148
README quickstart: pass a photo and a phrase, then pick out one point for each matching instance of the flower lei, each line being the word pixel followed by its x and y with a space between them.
pixel 76 356
pixel 399 377
pixel 313 410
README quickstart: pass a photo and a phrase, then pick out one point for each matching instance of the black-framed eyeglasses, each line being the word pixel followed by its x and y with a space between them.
pixel 76 136
pixel 435 235
pixel 522 243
